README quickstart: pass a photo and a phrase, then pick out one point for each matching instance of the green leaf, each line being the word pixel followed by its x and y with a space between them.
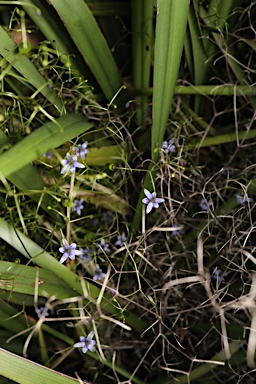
pixel 22 279
pixel 142 44
pixel 170 32
pixel 104 155
pixel 24 371
pixel 36 254
pixel 8 49
pixel 50 135
pixel 10 319
pixel 27 178
pixel 55 33
pixel 200 65
pixel 90 41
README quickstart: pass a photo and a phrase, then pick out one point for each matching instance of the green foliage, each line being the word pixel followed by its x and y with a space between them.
pixel 89 93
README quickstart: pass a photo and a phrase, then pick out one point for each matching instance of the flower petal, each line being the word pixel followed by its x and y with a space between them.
pixel 80 344
pixel 85 349
pixel 159 200
pixel 91 346
pixel 149 207
pixel 64 258
pixel 148 194
pixel 64 243
pixel 90 336
pixel 79 165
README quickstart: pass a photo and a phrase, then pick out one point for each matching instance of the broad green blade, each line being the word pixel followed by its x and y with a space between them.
pixel 170 32
pixel 10 319
pixel 22 279
pixel 105 155
pixel 24 371
pixel 223 139
pixel 50 135
pixel 48 23
pixel 90 41
pixel 200 65
pixel 36 254
pixel 142 44
pixel 27 178
pixel 8 49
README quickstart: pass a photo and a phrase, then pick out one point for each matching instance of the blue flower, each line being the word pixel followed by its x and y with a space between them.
pixel 205 205
pixel 42 311
pixel 168 146
pixel 70 164
pixel 69 251
pixel 103 246
pixel 85 257
pixel 219 276
pixel 78 206
pixel 106 216
pixel 86 343
pixel 151 200
pixel 243 199
pixel 177 231
pixel 121 240
pixel 48 154
pixel 98 274
pixel 81 150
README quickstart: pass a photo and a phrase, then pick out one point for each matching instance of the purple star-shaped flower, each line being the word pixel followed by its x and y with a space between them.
pixel 78 206
pixel 48 154
pixel 205 205
pixel 121 240
pixel 242 199
pixel 70 164
pixel 98 274
pixel 81 150
pixel 42 311
pixel 85 257
pixel 151 200
pixel 103 246
pixel 177 231
pixel 219 275
pixel 86 343
pixel 69 251
pixel 168 146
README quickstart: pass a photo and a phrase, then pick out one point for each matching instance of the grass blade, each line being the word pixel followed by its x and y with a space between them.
pixel 36 254
pixel 50 135
pixel 10 319
pixel 23 371
pixel 56 34
pixel 8 49
pixel 170 33
pixel 142 44
pixel 88 38
pixel 27 179
pixel 200 66
pixel 22 279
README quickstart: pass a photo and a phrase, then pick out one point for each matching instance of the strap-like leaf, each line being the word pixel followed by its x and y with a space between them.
pixel 8 49
pixel 50 135
pixel 88 38
pixel 24 371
